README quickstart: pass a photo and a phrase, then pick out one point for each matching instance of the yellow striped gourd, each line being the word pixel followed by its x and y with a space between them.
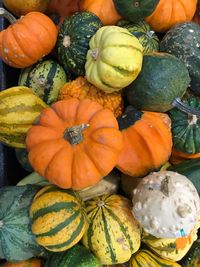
pixel 58 218
pixel 144 258
pixel 19 107
pixel 113 234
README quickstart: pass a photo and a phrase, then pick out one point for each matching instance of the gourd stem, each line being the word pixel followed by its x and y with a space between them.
pixel 74 134
pixel 4 13
pixel 177 103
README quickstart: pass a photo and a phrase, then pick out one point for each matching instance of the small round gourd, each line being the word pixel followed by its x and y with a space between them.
pixel 114 59
pixel 166 204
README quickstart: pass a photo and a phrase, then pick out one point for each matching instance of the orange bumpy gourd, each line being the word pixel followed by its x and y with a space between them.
pixel 75 143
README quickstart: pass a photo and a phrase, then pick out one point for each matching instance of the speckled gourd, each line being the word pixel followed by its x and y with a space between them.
pixel 166 204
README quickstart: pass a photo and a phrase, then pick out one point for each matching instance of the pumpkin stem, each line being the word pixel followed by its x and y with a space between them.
pixel 74 134
pixel 4 13
pixel 177 103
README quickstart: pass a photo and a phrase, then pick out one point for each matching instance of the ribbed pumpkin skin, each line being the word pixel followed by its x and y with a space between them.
pixel 17 242
pixel 148 92
pixel 144 33
pixel 28 263
pixel 19 107
pixel 32 37
pixel 77 256
pixel 135 10
pixel 185 128
pixel 147 142
pixel 169 13
pixel 46 78
pixel 80 88
pixel 183 41
pixel 114 59
pixel 146 258
pixel 73 40
pixel 58 218
pixel 171 249
pixel 113 234
pixel 189 168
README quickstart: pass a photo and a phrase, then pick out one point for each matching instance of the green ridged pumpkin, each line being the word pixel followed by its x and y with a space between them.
pixel 162 79
pixel 45 78
pixel 146 36
pixel 144 258
pixel 77 256
pixel 17 242
pixel 186 127
pixel 113 234
pixel 58 218
pixel 73 40
pixel 183 41
pixel 19 107
pixel 135 10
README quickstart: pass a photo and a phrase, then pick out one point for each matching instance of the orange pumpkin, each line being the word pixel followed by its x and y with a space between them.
pixel 27 40
pixel 28 263
pixel 22 7
pixel 168 13
pixel 104 9
pixel 147 142
pixel 196 17
pixel 75 143
pixel 80 88
pixel 178 157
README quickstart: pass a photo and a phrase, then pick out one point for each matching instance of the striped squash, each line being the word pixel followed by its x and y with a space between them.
pixel 113 234
pixel 144 258
pixel 58 218
pixel 19 107
pixel 46 78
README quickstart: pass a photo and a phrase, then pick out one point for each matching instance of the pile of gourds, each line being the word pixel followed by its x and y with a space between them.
pixel 105 118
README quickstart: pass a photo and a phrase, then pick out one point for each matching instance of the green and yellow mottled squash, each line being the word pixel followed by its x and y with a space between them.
pixel 114 59
pixel 192 258
pixel 19 107
pixel 45 78
pixel 73 40
pixel 113 234
pixel 169 248
pixel 17 243
pixel 77 256
pixel 144 258
pixel 162 79
pixel 146 36
pixel 58 218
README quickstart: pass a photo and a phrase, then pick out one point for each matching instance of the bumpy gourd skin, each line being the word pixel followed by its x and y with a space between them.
pixel 81 89
pixel 114 59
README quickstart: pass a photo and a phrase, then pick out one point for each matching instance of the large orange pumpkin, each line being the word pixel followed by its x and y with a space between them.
pixel 75 143
pixel 27 39
pixel 104 9
pixel 147 142
pixel 28 263
pixel 168 13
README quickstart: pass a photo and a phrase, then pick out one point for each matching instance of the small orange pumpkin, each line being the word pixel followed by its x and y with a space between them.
pixel 75 143
pixel 147 142
pixel 80 88
pixel 178 156
pixel 28 263
pixel 104 9
pixel 168 13
pixel 27 40
pixel 196 17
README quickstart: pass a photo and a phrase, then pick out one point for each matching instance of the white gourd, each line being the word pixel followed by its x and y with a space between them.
pixel 166 204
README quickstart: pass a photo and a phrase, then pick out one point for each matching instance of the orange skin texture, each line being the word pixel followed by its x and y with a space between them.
pixel 28 263
pixel 80 165
pixel 169 13
pixel 196 17
pixel 29 39
pixel 147 144
pixel 178 157
pixel 104 9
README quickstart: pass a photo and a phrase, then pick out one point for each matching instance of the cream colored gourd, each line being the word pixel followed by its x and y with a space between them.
pixel 114 59
pixel 166 204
